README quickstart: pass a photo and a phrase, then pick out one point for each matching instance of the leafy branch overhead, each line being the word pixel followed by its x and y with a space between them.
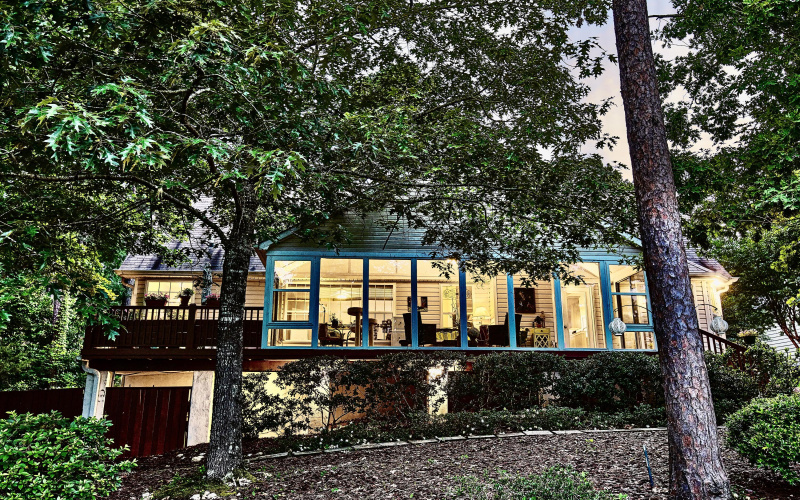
pixel 464 118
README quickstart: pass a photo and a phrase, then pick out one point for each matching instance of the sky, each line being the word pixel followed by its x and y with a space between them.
pixel 607 85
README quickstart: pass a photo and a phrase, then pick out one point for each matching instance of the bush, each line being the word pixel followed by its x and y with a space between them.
pixel 767 433
pixel 775 372
pixel 731 388
pixel 322 393
pixel 555 483
pixel 48 456
pixel 610 381
pixel 515 381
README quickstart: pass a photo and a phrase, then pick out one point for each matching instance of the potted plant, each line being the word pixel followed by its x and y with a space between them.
pixel 212 300
pixel 156 299
pixel 185 295
pixel 334 321
pixel 748 336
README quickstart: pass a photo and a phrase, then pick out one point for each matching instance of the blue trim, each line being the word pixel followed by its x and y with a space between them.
pixel 314 256
pixel 365 333
pixel 559 313
pixel 512 313
pixel 414 308
pixel 608 306
pixel 462 304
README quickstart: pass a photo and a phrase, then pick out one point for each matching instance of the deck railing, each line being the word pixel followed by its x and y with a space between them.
pixel 191 327
pixel 195 328
pixel 719 345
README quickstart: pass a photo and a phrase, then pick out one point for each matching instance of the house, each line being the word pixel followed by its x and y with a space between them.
pixel 380 293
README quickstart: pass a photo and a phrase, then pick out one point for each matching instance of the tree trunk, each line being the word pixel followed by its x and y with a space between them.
pixel 696 470
pixel 225 446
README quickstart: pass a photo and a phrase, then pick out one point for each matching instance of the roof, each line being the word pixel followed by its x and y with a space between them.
pixel 201 247
pixel 368 234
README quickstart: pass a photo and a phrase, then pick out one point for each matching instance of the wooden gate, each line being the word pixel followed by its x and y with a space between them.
pixel 150 420
pixel 67 401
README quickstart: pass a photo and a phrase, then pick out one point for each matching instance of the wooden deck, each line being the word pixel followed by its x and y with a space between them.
pixel 184 338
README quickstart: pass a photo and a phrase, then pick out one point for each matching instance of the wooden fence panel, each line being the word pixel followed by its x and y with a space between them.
pixel 67 401
pixel 150 420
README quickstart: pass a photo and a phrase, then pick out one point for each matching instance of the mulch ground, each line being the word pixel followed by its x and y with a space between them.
pixel 613 461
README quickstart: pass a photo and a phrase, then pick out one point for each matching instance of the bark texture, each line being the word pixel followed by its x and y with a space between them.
pixel 225 446
pixel 696 469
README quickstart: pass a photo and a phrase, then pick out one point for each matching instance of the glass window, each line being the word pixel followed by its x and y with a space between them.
pixel 389 297
pixel 341 305
pixel 629 294
pixel 582 310
pixel 286 337
pixel 171 288
pixel 439 303
pixel 292 274
pixel 487 311
pixel 534 305
pixel 290 306
pixel 634 340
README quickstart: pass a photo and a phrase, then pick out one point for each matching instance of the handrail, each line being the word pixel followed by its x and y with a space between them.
pixel 719 345
pixel 189 327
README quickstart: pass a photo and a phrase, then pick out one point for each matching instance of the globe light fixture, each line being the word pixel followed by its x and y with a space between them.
pixel 617 327
pixel 719 325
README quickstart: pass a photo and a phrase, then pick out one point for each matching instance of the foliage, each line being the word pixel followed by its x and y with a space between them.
pixel 611 381
pixel 467 120
pixel 48 456
pixel 515 381
pixel 555 483
pixel 767 432
pixel 763 295
pixel 40 338
pixel 731 388
pixel 422 425
pixel 325 391
pixel 738 84
pixel 773 371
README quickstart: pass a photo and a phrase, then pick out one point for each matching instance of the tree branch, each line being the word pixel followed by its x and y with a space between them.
pixel 125 178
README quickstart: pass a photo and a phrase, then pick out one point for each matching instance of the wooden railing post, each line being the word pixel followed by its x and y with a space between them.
pixel 190 340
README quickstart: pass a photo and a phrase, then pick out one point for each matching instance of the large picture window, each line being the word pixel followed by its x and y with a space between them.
pixel 629 302
pixel 581 308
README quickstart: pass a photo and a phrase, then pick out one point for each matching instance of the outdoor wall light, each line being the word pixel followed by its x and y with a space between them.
pixel 719 325
pixel 617 327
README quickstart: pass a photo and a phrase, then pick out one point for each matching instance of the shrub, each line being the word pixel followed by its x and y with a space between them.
pixel 610 381
pixel 731 388
pixel 514 381
pixel 775 372
pixel 322 393
pixel 767 433
pixel 48 456
pixel 555 483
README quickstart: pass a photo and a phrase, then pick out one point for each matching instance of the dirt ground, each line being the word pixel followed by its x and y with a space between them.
pixel 612 460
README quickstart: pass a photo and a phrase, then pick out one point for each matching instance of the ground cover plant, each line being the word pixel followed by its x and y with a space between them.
pixel 48 456
pixel 767 432
pixel 555 483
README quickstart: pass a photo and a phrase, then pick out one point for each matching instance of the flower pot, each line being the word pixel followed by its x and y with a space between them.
pixel 155 303
pixel 212 303
pixel 749 340
pixel 185 301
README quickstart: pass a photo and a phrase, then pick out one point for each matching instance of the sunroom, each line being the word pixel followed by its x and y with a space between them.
pixel 384 291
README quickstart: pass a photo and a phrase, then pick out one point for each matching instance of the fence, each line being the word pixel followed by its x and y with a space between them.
pixel 67 401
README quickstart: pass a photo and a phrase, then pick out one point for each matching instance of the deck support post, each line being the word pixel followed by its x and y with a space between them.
pixel 200 408
pixel 94 395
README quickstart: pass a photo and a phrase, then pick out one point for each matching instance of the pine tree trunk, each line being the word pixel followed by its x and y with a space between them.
pixel 696 469
pixel 225 446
